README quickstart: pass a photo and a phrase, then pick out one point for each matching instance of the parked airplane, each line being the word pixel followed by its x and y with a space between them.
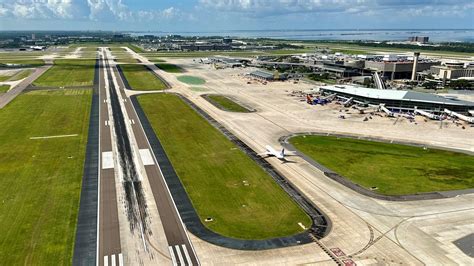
pixel 272 152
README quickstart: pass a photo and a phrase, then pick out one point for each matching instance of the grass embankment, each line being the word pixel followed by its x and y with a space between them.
pixel 191 80
pixel 226 104
pixel 68 72
pixel 170 68
pixel 393 168
pixel 140 78
pixel 41 178
pixel 223 183
pixel 4 88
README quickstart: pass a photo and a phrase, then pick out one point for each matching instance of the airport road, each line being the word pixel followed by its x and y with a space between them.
pixel 109 248
pixel 179 245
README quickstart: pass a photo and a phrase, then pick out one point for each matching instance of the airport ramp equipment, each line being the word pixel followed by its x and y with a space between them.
pixel 427 114
pixel 459 116
pixel 471 112
pixel 388 112
pixel 379 83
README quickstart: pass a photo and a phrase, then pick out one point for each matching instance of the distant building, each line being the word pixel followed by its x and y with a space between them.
pixel 398 100
pixel 452 70
pixel 398 69
pixel 267 76
pixel 420 39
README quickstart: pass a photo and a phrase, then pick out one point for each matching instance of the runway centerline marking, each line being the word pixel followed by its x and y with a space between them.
pixel 56 136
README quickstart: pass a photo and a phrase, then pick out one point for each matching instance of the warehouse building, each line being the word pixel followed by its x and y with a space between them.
pixel 398 100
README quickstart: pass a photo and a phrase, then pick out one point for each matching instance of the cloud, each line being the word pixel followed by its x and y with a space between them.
pixel 96 10
pixel 41 9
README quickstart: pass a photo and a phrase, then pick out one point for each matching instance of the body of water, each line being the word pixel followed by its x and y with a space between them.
pixel 460 35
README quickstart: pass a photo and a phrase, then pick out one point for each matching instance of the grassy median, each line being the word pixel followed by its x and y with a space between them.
pixel 41 178
pixel 226 104
pixel 140 78
pixel 392 169
pixel 221 180
pixel 170 68
pixel 191 80
pixel 68 72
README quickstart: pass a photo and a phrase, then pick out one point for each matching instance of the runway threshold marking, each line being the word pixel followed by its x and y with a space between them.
pixel 188 258
pixel 107 160
pixel 180 256
pixel 173 257
pixel 57 136
pixel 120 259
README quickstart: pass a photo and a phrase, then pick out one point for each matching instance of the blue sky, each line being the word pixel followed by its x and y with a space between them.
pixel 216 15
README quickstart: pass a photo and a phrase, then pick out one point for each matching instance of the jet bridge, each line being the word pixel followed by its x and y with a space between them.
pixel 427 114
pixel 384 109
pixel 379 83
pixel 459 116
pixel 348 102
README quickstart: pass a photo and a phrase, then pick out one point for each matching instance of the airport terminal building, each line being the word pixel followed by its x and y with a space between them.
pixel 398 100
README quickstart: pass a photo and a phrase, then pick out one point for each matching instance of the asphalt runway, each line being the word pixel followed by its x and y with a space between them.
pixel 179 244
pixel 109 228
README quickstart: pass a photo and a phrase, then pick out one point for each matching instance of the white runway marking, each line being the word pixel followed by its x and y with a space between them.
pixel 106 260
pixel 113 260
pixel 120 258
pixel 57 136
pixel 107 160
pixel 147 159
pixel 188 259
pixel 173 258
pixel 180 256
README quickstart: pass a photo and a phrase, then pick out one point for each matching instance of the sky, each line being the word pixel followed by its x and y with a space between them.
pixel 221 15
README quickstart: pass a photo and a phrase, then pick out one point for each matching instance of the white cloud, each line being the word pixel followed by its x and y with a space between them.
pixel 37 9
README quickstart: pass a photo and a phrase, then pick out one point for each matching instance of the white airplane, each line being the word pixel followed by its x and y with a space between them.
pixel 272 152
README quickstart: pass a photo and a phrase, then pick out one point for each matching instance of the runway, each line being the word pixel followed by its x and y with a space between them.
pixel 129 178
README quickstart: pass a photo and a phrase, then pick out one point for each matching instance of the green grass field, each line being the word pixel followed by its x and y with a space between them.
pixel 191 80
pixel 226 104
pixel 393 168
pixel 4 88
pixel 223 183
pixel 22 74
pixel 41 178
pixel 170 68
pixel 68 72
pixel 140 78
